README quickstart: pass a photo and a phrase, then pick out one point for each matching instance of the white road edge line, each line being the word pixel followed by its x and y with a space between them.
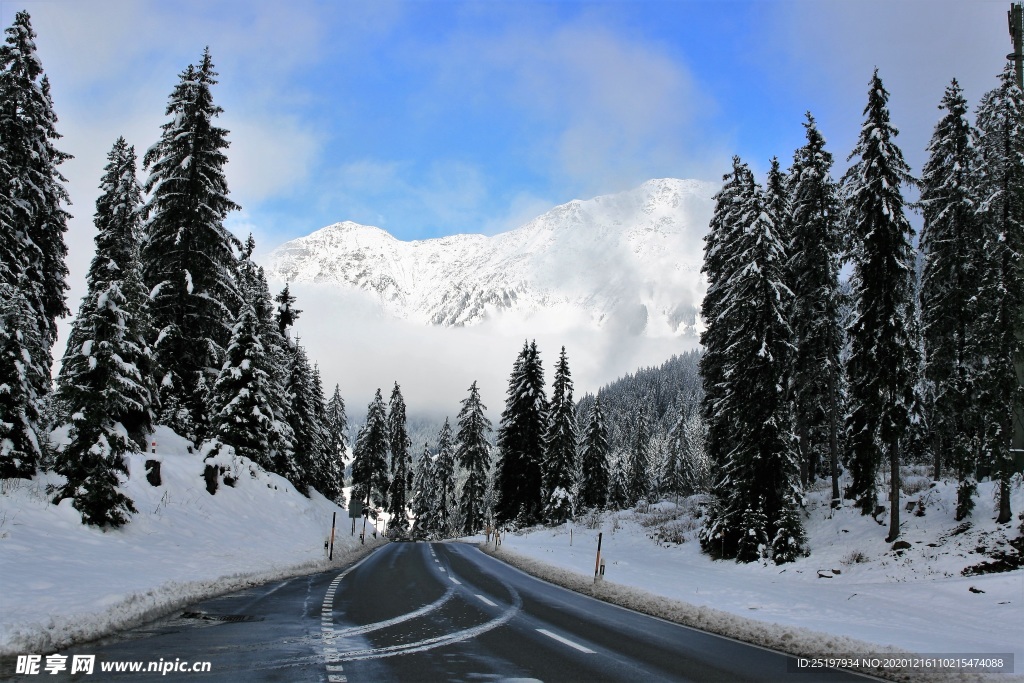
pixel 566 641
pixel 485 600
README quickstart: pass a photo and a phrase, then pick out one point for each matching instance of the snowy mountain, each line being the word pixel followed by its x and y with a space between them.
pixel 630 261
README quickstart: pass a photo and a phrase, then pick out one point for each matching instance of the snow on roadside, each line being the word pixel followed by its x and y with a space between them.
pixel 852 595
pixel 62 582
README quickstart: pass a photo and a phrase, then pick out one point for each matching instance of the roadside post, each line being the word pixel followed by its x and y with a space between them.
pixel 355 511
pixel 597 563
pixel 334 518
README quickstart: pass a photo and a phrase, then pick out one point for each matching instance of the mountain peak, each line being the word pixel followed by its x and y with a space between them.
pixel 629 259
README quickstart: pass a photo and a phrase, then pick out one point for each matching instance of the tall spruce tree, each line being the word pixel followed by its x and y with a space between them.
pixel 815 318
pixel 759 489
pixel 473 452
pixel 329 470
pixel 716 312
pixel 305 419
pixel 424 502
pixel 104 383
pixel 444 482
pixel 639 455
pixel 189 258
pixel 370 465
pixel 401 459
pixel 595 451
pixel 337 423
pixel 884 357
pixel 560 448
pixel 32 217
pixel 953 244
pixel 1000 143
pixel 278 352
pixel 521 441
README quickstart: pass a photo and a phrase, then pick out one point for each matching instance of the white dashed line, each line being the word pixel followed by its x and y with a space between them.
pixel 454 580
pixel 486 601
pixel 566 641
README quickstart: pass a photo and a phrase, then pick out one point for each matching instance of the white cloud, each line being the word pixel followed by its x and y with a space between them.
pixel 608 111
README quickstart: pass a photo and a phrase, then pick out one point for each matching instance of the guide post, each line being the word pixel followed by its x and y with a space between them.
pixel 334 518
pixel 597 564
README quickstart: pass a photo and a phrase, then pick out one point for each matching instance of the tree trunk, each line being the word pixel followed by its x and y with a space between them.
pixel 804 450
pixel 1005 513
pixel 937 448
pixel 833 438
pixel 894 493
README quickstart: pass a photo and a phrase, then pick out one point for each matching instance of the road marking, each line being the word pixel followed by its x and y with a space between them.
pixel 443 569
pixel 334 668
pixel 454 580
pixel 335 678
pixel 566 641
pixel 440 641
pixel 356 630
pixel 485 600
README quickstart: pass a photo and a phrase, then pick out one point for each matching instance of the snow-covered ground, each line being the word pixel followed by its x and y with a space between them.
pixel 62 581
pixel 852 586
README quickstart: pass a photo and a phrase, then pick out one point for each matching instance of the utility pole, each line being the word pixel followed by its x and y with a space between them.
pixel 1014 18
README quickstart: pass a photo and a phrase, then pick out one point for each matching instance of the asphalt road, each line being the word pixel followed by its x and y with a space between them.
pixel 429 612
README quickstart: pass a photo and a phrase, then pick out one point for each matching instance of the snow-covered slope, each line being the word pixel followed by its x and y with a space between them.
pixel 630 261
pixel 64 582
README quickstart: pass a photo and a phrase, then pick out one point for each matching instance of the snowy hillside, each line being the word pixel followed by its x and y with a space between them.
pixel 64 581
pixel 629 261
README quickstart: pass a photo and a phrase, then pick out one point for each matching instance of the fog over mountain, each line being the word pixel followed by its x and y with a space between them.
pixel 616 279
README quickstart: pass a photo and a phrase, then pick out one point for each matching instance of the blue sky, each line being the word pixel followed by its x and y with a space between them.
pixel 431 118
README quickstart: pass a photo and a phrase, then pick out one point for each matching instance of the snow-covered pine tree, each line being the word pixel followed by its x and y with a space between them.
pixel 399 446
pixel 1000 143
pixel 189 257
pixel 521 441
pixel 278 353
pixel 884 357
pixel 287 314
pixel 329 469
pixel 104 385
pixel 594 456
pixel 370 465
pixel 952 241
pixel 33 218
pixel 20 448
pixel 815 318
pixel 673 477
pixel 242 414
pixel 444 482
pixel 718 267
pixel 618 486
pixel 337 423
pixel 473 453
pixel 560 447
pixel 759 480
pixel 309 441
pixel 424 502
pixel 639 455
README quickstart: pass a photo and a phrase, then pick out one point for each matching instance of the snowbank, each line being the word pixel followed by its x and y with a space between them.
pixel 63 582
